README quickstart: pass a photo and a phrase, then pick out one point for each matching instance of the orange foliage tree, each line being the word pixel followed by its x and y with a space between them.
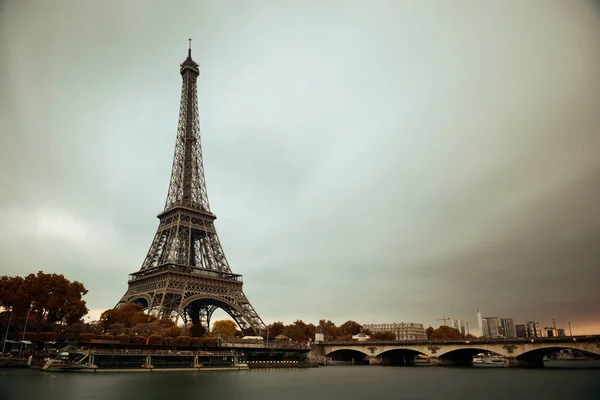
pixel 50 298
pixel 446 333
pixel 224 328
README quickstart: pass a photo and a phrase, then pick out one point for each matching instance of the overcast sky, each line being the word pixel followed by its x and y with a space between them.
pixel 371 160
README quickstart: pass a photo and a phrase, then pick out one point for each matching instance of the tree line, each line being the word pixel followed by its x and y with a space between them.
pixel 49 305
pixel 43 302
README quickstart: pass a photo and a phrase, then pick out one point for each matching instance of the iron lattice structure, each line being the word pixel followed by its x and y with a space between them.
pixel 185 273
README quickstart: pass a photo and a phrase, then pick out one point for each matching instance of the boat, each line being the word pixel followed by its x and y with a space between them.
pixel 142 360
pixel 483 360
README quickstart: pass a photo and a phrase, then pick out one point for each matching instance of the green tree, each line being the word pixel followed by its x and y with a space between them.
pixel 383 336
pixel 328 329
pixel 429 332
pixel 311 330
pixel 300 331
pixel 276 329
pixel 349 328
pixel 224 328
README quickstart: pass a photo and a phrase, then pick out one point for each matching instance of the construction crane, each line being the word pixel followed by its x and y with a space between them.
pixel 444 319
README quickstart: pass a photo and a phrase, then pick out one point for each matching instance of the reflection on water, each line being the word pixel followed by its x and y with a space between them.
pixel 331 383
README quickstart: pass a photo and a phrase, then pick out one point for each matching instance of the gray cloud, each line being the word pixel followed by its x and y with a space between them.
pixel 380 162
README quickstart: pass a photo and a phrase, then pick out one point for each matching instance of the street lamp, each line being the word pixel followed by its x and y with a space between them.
pixel 7 328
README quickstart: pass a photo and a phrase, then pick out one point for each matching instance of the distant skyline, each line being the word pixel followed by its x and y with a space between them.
pixel 381 161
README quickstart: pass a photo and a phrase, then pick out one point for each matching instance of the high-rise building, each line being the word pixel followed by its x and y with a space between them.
pixel 459 325
pixel 485 330
pixel 493 327
pixel 532 329
pixel 550 332
pixel 520 331
pixel 507 328
pixel 480 323
pixel 490 328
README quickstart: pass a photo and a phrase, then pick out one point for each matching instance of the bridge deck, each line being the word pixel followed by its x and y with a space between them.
pixel 548 340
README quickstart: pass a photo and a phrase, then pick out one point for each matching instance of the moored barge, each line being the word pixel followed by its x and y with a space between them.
pixel 144 360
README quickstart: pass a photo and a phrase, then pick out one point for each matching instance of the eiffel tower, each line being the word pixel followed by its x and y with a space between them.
pixel 185 273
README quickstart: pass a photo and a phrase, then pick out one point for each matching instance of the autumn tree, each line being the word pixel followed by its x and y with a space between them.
pixel 51 298
pixel 446 333
pixel 224 328
pixel 198 330
pixel 144 329
pixel 129 315
pixel 173 332
pixel 116 329
pixel 14 295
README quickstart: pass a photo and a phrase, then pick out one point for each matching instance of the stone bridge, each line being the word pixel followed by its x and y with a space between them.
pixel 518 352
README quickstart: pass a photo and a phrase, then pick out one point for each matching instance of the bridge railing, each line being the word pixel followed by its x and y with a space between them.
pixel 563 339
pixel 151 352
pixel 263 344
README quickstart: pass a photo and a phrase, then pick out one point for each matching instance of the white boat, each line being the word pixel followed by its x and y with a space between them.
pixel 55 365
pixel 67 361
pixel 482 360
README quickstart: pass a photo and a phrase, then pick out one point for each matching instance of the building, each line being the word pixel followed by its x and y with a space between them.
pixel 485 331
pixel 490 327
pixel 493 326
pixel 480 323
pixel 459 325
pixel 402 330
pixel 561 332
pixel 550 332
pixel 520 331
pixel 507 328
pixel 532 329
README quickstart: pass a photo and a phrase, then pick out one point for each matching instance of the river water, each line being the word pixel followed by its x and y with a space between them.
pixel 331 383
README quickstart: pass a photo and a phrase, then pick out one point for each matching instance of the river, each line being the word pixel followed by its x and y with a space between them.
pixel 331 383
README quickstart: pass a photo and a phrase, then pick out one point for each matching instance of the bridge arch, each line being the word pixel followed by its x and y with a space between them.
pixel 401 356
pixel 464 355
pixel 333 350
pixel 348 355
pixel 536 355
